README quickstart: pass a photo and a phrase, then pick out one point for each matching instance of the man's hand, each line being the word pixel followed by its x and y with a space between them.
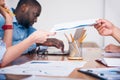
pixel 112 48
pixel 55 43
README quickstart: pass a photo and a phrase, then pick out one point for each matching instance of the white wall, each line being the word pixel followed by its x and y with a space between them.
pixel 60 11
pixel 112 13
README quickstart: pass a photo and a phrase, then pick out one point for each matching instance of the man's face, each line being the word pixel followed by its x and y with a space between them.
pixel 30 16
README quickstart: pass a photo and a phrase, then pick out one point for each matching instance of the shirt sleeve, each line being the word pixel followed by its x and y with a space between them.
pixel 2 50
pixel 27 50
pixel 31 30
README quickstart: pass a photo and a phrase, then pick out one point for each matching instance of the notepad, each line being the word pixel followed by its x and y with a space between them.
pixel 73 25
pixel 110 61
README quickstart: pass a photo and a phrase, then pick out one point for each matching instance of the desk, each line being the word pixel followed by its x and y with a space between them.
pixel 89 55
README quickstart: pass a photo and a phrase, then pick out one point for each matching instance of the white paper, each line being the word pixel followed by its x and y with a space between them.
pixel 112 61
pixel 47 68
pixel 48 78
pixel 73 25
pixel 111 54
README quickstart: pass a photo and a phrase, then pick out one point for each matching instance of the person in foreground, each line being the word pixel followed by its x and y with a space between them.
pixel 8 23
pixel 26 14
pixel 8 53
pixel 106 28
pixel 15 51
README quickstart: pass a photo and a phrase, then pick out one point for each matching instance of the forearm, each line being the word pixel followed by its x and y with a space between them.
pixel 15 51
pixel 116 34
pixel 8 37
pixel 8 30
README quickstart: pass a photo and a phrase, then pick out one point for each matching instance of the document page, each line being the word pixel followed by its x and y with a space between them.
pixel 73 25
pixel 46 68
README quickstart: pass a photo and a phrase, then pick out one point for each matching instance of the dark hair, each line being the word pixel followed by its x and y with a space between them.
pixel 28 2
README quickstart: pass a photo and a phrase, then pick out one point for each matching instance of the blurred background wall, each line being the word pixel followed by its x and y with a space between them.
pixel 61 11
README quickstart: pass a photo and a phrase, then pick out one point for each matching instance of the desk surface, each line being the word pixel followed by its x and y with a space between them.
pixel 90 54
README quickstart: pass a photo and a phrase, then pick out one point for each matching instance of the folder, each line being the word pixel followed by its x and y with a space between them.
pixel 102 73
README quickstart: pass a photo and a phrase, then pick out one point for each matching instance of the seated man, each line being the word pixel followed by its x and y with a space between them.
pixel 26 14
pixel 9 53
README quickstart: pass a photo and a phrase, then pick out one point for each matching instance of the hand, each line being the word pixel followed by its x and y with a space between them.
pixel 104 27
pixel 40 36
pixel 2 3
pixel 8 17
pixel 112 48
pixel 54 42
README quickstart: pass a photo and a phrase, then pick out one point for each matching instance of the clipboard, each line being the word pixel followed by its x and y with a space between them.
pixel 102 73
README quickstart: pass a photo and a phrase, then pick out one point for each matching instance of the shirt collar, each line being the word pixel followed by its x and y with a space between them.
pixel 14 18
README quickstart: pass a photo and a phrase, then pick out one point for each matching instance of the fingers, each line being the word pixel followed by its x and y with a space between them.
pixel 55 43
pixel 60 45
pixel 41 36
pixel 99 23
pixel 62 48
pixel 5 12
pixel 112 48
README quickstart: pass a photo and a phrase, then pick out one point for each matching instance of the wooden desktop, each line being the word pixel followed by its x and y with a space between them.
pixel 90 54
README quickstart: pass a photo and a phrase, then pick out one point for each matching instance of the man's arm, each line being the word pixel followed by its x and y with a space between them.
pixel 15 51
pixel 116 34
pixel 7 27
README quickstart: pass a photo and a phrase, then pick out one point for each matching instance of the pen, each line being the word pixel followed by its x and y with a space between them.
pixel 72 37
pixel 82 38
pixel 40 62
pixel 117 71
pixel 67 37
